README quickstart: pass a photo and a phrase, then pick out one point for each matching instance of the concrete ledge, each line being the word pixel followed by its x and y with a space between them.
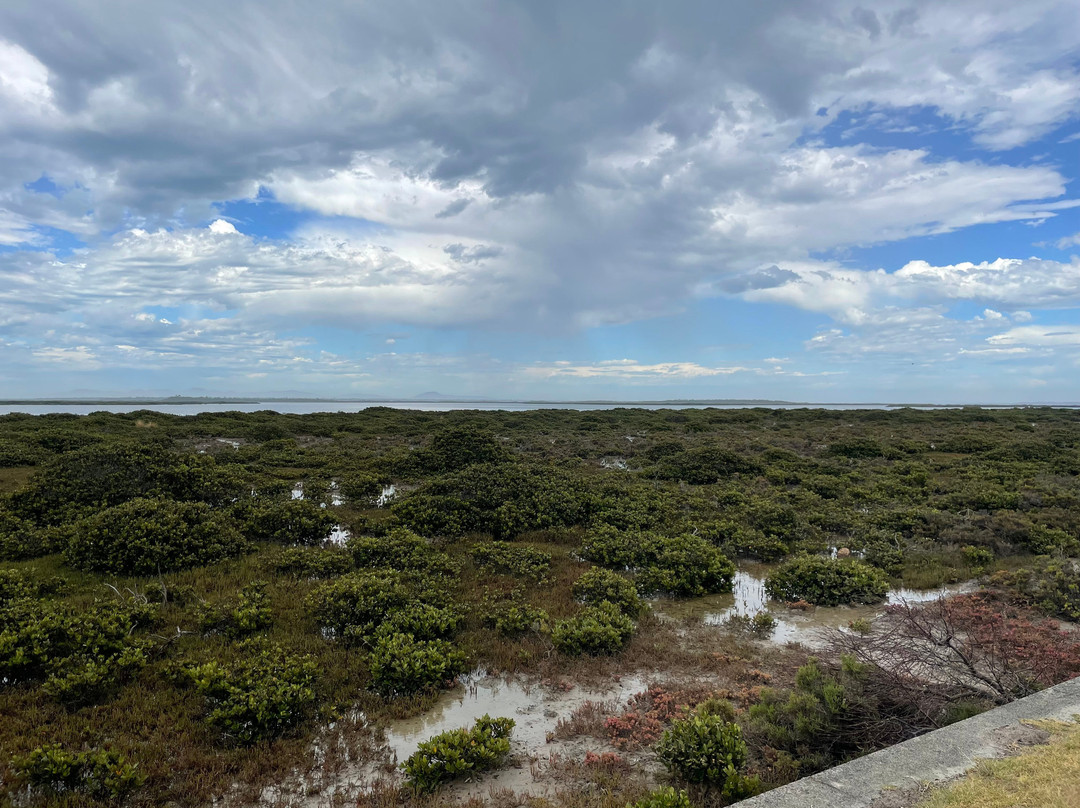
pixel 938 755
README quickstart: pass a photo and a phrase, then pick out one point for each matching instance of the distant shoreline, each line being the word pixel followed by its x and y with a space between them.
pixel 539 403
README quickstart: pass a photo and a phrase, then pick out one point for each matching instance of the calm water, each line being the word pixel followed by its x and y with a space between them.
pixel 304 407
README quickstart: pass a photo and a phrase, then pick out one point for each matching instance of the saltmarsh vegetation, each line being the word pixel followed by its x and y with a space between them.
pixel 163 590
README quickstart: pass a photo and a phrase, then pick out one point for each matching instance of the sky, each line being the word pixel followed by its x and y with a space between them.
pixel 807 200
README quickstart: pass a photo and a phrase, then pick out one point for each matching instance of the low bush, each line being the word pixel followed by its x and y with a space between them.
pixel 664 798
pixel 612 548
pixel 423 621
pixel 704 465
pixel 600 629
pixel 293 522
pixel 97 773
pixel 1051 585
pixel 706 749
pixel 1044 540
pixel 524 562
pixel 249 613
pixel 17 584
pixel 402 665
pixel 21 540
pixel 827 582
pixel 598 585
pixel 760 626
pixel 505 500
pixel 261 695
pixel 149 536
pixel 80 655
pixel 458 753
pixel 684 566
pixel 513 617
pixel 361 490
pixel 354 605
pixel 885 550
pixel 401 549
pixel 98 476
pixel 313 562
pixel 978 558
pixel 837 712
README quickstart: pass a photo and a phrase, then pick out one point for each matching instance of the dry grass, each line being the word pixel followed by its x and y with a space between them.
pixel 1043 777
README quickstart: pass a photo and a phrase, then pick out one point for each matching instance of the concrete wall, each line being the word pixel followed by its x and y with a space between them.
pixel 938 755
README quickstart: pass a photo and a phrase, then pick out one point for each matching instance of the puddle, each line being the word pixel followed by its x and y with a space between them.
pixel 338 535
pixel 614 463
pixel 749 598
pixel 535 710
pixel 387 496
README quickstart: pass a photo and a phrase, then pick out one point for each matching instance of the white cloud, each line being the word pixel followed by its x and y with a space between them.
pixel 222 228
pixel 852 295
pixel 1039 336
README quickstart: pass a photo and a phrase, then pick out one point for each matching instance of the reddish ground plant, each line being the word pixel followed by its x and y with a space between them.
pixel 608 761
pixel 648 714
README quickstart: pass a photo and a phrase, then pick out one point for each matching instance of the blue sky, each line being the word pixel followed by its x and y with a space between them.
pixel 808 200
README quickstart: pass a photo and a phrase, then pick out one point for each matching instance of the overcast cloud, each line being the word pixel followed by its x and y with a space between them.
pixel 258 196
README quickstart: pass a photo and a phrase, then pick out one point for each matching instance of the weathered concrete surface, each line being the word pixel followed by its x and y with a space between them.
pixel 938 755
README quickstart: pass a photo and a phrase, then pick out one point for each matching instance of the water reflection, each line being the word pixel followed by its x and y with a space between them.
pixel 749 598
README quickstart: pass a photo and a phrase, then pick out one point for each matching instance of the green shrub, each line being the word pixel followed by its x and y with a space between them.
pixel 458 753
pixel 355 605
pixel 978 558
pixel 248 614
pixel 684 566
pixel 598 585
pixel 600 629
pixel 149 536
pixel 1043 540
pixel 504 500
pixel 361 490
pixel 706 749
pixel 827 582
pixel 612 548
pixel 458 447
pixel 293 522
pixel 313 562
pixel 500 557
pixel 664 798
pixel 748 542
pixel 106 475
pixel 261 695
pixel 513 617
pixel 830 716
pixel 98 773
pixel 1051 585
pixel 760 626
pixel 80 655
pixel 20 539
pixel 885 551
pixel 401 549
pixel 17 584
pixel 704 465
pixel 423 621
pixel 402 665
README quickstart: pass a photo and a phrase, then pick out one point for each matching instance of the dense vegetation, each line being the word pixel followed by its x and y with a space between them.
pixel 163 587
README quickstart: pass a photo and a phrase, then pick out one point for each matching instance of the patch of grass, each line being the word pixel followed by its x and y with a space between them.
pixel 1042 777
